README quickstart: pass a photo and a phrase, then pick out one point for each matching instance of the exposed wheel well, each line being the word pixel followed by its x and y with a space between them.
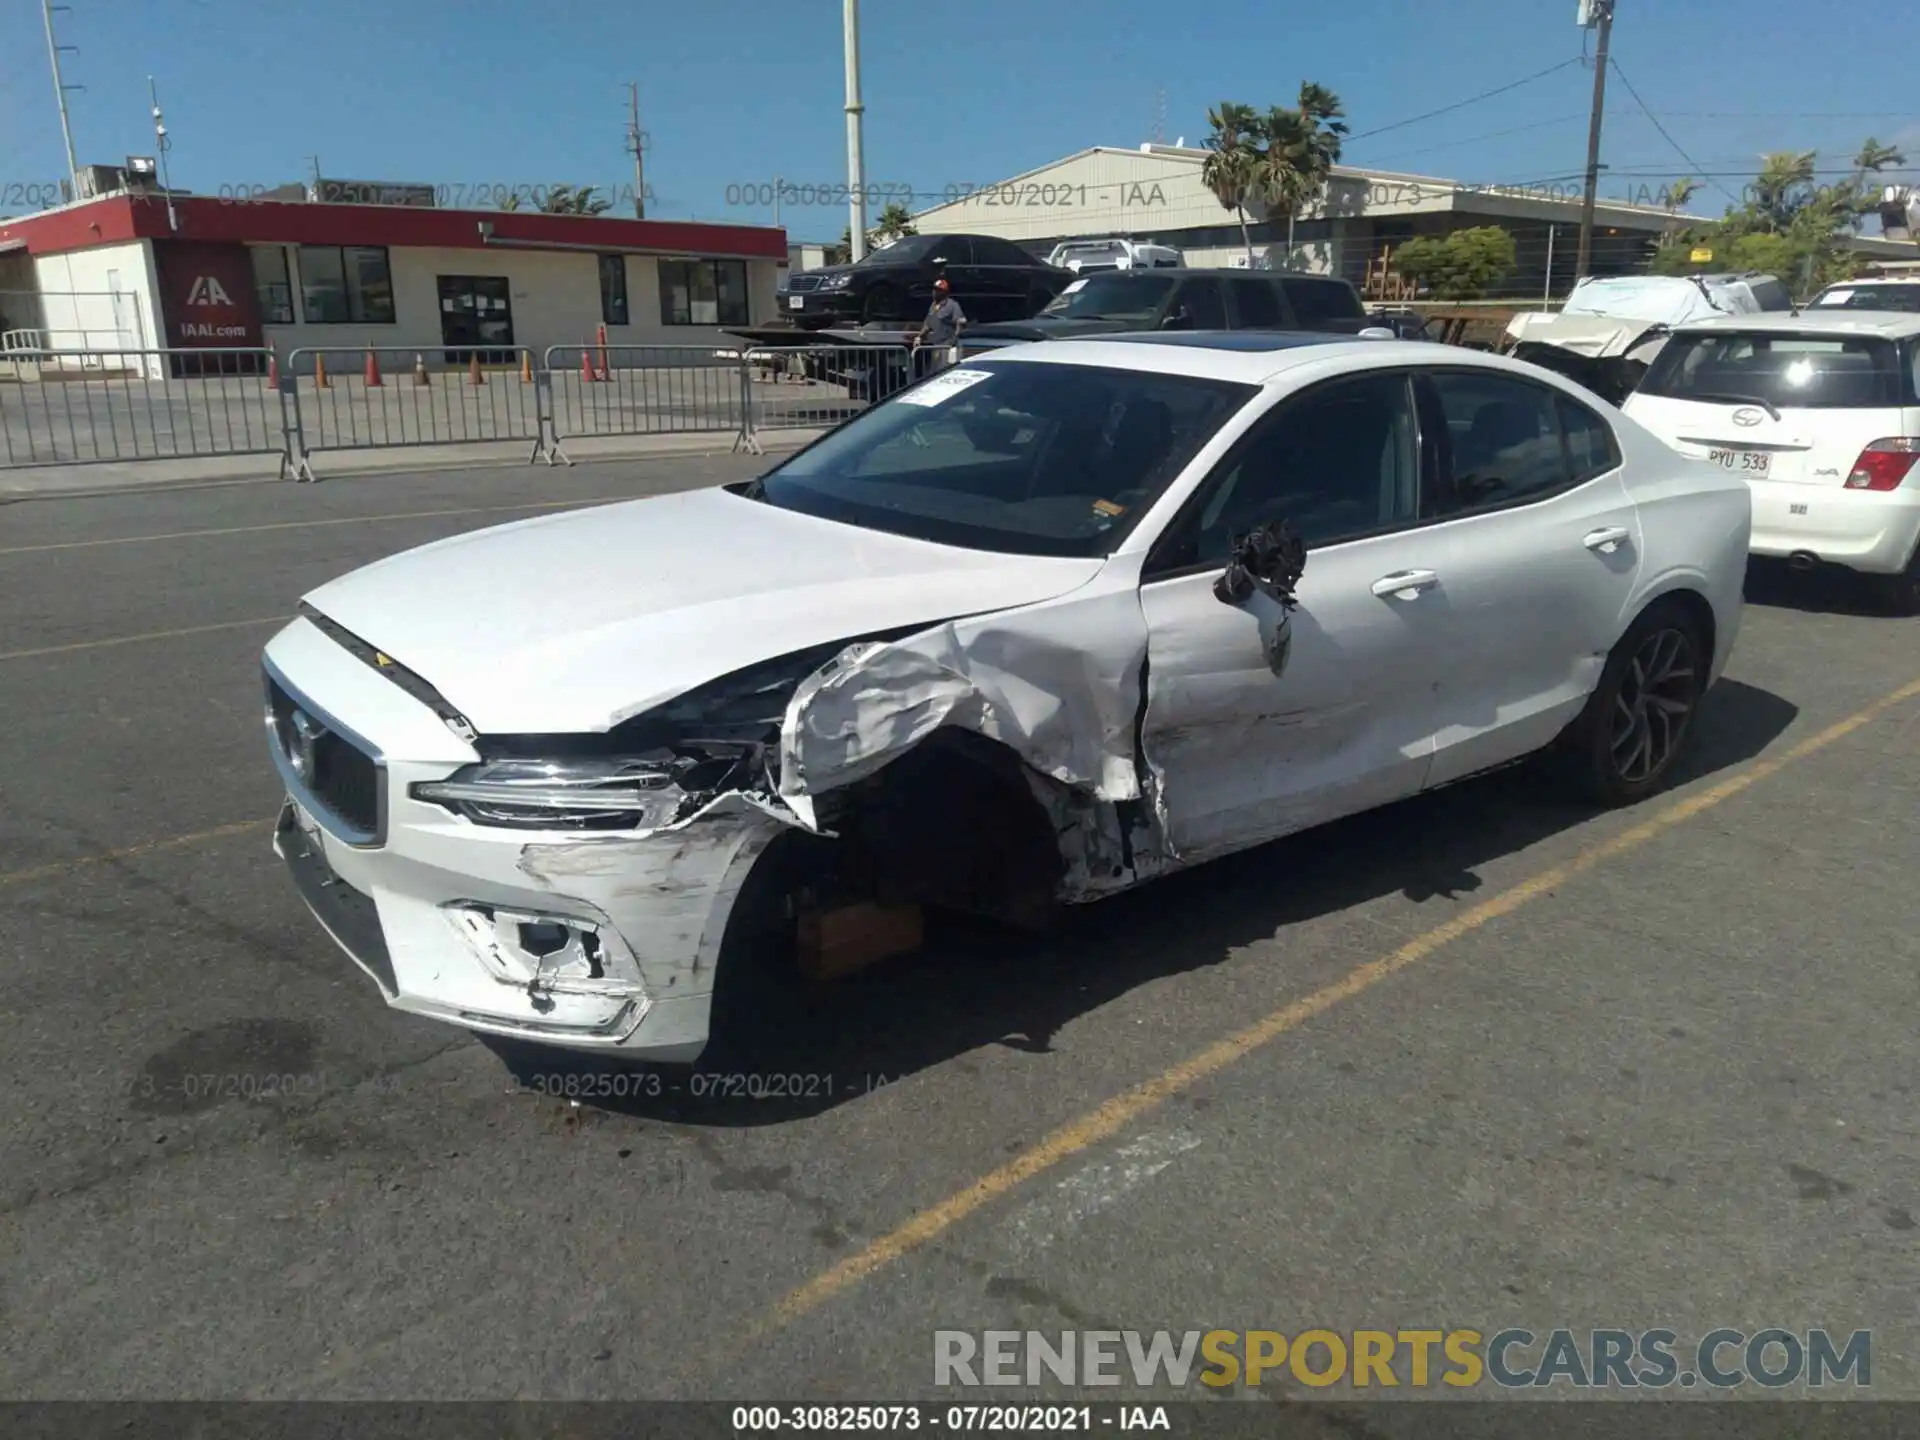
pixel 952 823
pixel 1697 606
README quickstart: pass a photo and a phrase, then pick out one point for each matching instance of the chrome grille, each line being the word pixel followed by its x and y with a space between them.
pixel 797 283
pixel 327 769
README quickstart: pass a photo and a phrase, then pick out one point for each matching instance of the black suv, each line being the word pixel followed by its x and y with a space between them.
pixel 1126 300
pixel 992 279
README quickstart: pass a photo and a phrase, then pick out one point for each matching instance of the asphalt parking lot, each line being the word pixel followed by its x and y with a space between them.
pixel 1483 1059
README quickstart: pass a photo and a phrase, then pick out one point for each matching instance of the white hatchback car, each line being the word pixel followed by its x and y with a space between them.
pixel 1820 413
pixel 1039 629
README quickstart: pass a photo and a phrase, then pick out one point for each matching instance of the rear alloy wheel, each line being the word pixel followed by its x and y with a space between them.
pixel 1635 726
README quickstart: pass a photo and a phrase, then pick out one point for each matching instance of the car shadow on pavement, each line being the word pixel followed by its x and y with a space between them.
pixel 796 1051
pixel 1829 591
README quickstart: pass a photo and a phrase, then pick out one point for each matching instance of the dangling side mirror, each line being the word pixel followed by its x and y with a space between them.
pixel 1269 559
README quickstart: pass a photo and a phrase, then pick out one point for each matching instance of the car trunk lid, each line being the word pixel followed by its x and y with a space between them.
pixel 1796 408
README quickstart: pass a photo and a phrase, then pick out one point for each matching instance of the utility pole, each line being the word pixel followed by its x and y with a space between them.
pixel 1602 12
pixel 856 170
pixel 60 88
pixel 163 143
pixel 637 142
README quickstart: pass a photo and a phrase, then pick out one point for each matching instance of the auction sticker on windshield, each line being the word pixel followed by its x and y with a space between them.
pixel 943 387
pixel 1076 285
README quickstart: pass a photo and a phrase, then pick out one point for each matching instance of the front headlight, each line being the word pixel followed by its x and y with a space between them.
pixel 611 793
pixel 835 282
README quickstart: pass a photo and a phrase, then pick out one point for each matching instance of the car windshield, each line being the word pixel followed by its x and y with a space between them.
pixel 1820 372
pixel 1123 295
pixel 1869 297
pixel 909 249
pixel 1023 458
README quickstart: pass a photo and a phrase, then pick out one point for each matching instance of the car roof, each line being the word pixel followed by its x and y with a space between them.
pixel 1226 272
pixel 1249 357
pixel 1889 325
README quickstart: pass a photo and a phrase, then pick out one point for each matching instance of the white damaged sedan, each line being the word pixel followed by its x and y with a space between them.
pixel 1035 631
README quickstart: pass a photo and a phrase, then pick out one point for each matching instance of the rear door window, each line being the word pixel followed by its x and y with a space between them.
pixel 1201 299
pixel 1801 372
pixel 1317 300
pixel 1256 305
pixel 1504 436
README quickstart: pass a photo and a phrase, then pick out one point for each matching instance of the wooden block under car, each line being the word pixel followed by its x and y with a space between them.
pixel 837 942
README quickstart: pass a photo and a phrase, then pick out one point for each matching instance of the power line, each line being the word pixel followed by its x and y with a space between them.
pixel 1473 139
pixel 1462 104
pixel 1655 121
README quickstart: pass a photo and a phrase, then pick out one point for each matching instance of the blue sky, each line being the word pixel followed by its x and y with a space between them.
pixel 520 93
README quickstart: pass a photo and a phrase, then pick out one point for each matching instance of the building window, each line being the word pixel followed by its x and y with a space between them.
pixel 704 292
pixel 613 289
pixel 345 285
pixel 271 285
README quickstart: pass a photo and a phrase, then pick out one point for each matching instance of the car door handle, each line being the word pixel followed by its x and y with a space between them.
pixel 1405 584
pixel 1606 541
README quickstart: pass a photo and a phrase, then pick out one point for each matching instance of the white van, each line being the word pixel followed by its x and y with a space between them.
pixel 1820 413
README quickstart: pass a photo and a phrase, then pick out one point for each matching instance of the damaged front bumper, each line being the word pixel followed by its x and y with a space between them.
pixel 600 942
pixel 607 945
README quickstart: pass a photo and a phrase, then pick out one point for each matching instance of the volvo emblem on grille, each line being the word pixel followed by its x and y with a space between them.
pixel 1748 416
pixel 303 734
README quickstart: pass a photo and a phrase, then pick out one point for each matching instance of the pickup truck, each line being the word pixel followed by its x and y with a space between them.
pixel 1114 302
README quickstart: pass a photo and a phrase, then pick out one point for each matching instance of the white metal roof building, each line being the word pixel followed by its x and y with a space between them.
pixel 1155 193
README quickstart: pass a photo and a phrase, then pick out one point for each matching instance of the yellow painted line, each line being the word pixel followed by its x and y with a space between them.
pixel 315 524
pixel 175 842
pixel 1123 1109
pixel 142 639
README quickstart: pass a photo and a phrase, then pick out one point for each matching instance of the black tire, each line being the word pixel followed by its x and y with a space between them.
pixel 1899 594
pixel 1624 745
pixel 883 302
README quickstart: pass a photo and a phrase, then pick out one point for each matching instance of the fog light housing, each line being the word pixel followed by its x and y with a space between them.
pixel 541 952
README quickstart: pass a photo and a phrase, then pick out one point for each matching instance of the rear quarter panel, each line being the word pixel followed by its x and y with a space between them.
pixel 1696 521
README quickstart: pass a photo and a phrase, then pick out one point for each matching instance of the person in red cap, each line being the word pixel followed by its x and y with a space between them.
pixel 939 330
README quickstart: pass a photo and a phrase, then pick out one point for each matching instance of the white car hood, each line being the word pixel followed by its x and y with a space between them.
pixel 577 621
pixel 1596 336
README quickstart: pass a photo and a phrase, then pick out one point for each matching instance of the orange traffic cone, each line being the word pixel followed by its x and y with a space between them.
pixel 601 335
pixel 526 367
pixel 474 377
pixel 373 371
pixel 320 373
pixel 273 372
pixel 420 369
pixel 586 365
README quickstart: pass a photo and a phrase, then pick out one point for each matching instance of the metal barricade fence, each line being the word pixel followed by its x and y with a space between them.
pixel 806 387
pixel 77 407
pixel 645 390
pixel 380 397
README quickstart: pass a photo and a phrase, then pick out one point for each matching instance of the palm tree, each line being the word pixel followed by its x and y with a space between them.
pixel 1302 145
pixel 563 200
pixel 1232 167
pixel 1875 156
pixel 574 200
pixel 894 223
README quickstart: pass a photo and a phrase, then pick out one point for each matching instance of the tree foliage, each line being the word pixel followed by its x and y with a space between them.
pixel 1460 265
pixel 895 223
pixel 1789 224
pixel 1271 165
pixel 564 200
